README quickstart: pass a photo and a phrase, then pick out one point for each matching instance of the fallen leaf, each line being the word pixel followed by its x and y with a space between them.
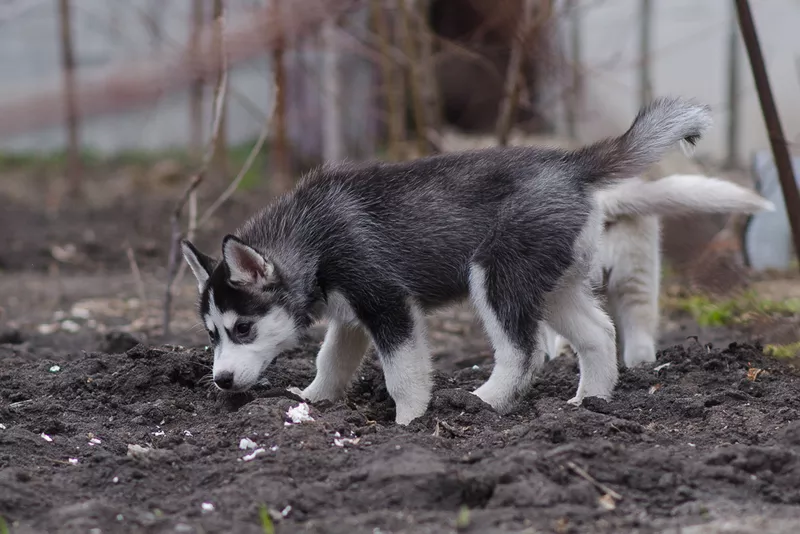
pixel 753 373
pixel 607 502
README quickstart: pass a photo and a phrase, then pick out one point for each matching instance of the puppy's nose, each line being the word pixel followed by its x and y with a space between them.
pixel 224 380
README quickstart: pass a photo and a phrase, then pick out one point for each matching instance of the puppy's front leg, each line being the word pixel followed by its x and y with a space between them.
pixel 406 361
pixel 338 358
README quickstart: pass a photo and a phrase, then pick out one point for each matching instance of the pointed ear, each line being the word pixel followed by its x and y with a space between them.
pixel 201 265
pixel 246 265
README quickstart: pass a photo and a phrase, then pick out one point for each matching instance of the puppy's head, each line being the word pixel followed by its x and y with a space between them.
pixel 243 307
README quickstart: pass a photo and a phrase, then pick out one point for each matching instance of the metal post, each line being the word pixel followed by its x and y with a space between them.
pixel 780 152
pixel 732 159
pixel 645 47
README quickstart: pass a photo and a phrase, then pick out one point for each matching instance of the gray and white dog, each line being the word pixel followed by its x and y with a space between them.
pixel 375 246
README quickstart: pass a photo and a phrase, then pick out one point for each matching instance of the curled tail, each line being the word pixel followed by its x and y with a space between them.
pixel 657 128
pixel 679 194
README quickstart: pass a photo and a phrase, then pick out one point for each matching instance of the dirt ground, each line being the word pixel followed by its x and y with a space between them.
pixel 105 428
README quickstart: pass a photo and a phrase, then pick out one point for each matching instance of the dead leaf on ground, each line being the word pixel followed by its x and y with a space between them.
pixel 753 373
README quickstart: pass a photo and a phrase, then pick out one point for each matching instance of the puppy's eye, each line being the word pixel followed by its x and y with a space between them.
pixel 212 334
pixel 243 329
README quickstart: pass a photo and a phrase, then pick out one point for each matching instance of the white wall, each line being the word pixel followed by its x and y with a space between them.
pixel 689 58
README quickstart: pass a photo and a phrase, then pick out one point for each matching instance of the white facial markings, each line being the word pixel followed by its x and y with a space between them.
pixel 275 332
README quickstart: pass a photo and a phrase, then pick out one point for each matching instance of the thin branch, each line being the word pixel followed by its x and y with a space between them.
pixel 70 99
pixel 593 481
pixel 387 82
pixel 417 104
pixel 137 277
pixel 514 73
pixel 197 178
pixel 234 185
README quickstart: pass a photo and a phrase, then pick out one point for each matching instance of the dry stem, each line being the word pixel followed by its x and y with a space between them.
pixel 197 178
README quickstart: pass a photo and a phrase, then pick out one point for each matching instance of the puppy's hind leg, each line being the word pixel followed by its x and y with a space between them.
pixel 633 286
pixel 512 329
pixel 575 314
pixel 338 358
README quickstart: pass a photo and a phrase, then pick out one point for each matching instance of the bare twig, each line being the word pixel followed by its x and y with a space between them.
pixel 137 275
pixel 414 76
pixel 513 74
pixel 387 82
pixel 236 181
pixel 197 178
pixel 593 481
pixel 428 81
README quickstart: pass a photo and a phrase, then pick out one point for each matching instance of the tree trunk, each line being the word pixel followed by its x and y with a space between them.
pixel 74 179
pixel 196 90
pixel 332 135
pixel 220 160
pixel 281 179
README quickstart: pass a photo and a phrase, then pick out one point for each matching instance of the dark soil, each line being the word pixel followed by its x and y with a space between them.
pixel 693 441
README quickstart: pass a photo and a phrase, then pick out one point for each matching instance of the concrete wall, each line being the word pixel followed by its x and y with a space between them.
pixel 689 57
pixel 108 33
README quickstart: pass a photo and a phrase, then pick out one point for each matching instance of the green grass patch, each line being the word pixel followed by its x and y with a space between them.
pixel 783 352
pixel 739 310
pixel 463 518
pixel 4 526
pixel 266 520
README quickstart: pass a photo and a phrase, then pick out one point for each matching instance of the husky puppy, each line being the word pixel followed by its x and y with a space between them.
pixel 629 261
pixel 373 247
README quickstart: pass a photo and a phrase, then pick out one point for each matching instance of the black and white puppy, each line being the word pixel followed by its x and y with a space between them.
pixel 373 247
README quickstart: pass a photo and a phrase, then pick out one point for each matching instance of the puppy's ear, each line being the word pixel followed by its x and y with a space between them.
pixel 247 267
pixel 201 265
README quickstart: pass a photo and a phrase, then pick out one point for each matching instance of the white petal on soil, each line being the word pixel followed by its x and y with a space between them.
pixel 46 329
pixel 247 443
pixel 298 414
pixel 70 326
pixel 45 437
pixel 662 366
pixel 80 312
pixel 286 510
pixel 55 368
pixel 73 461
pixel 252 455
pixel 2 426
pixel 207 507
pixel 115 480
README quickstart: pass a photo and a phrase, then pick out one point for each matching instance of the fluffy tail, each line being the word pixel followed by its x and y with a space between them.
pixel 658 127
pixel 680 194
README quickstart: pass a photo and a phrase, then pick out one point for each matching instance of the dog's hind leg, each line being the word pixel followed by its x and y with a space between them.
pixel 574 312
pixel 510 319
pixel 338 358
pixel 632 251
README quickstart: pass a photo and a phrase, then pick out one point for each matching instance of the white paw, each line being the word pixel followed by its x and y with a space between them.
pixel 407 412
pixel 501 401
pixel 576 400
pixel 640 354
pixel 297 391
